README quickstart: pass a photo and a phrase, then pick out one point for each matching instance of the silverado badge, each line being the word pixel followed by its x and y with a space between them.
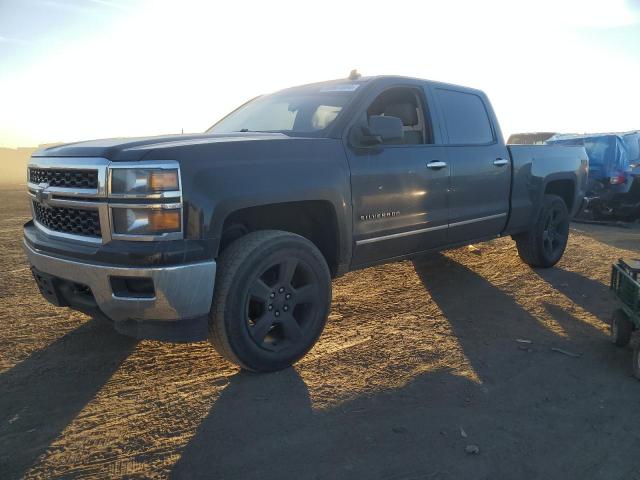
pixel 377 216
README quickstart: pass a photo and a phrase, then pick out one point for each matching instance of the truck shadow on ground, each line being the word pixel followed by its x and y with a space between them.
pixel 35 410
pixel 486 320
pixel 264 426
pixel 590 294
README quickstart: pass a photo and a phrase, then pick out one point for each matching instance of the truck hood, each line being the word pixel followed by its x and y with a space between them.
pixel 134 149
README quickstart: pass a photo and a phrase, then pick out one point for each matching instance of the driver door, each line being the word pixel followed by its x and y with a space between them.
pixel 399 189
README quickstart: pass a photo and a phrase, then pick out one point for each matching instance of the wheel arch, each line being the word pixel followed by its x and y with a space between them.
pixel 563 186
pixel 316 220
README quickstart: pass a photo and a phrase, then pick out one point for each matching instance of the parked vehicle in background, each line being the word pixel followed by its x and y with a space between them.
pixel 530 138
pixel 614 171
pixel 632 143
pixel 235 234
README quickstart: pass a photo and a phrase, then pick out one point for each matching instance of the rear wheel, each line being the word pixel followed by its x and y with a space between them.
pixel 544 245
pixel 621 328
pixel 272 299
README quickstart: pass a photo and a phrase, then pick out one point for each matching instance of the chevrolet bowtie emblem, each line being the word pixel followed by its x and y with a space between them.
pixel 41 193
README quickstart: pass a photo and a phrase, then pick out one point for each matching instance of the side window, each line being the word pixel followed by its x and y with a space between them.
pixel 465 117
pixel 406 104
pixel 323 116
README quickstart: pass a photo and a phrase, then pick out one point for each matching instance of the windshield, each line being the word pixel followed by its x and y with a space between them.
pixel 308 110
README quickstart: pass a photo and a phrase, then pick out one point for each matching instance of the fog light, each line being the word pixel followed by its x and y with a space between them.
pixel 145 221
pixel 140 287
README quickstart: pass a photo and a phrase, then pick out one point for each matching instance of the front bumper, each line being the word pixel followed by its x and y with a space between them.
pixel 180 292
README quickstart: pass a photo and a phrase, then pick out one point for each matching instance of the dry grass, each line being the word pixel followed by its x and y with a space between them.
pixel 429 343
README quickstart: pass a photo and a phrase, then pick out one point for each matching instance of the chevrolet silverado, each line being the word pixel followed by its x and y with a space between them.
pixel 235 234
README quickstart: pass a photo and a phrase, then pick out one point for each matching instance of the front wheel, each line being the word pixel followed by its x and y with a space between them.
pixel 272 299
pixel 544 245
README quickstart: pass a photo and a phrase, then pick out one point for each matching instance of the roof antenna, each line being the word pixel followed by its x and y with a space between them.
pixel 354 75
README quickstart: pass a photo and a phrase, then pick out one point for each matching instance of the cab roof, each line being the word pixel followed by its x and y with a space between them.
pixel 383 79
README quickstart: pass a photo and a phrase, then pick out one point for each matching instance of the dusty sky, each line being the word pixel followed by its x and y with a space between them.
pixel 72 70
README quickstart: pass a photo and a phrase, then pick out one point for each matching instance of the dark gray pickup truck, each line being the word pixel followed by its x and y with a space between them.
pixel 234 234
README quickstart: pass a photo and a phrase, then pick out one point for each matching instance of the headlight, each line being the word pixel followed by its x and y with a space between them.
pixel 146 221
pixel 143 181
pixel 145 200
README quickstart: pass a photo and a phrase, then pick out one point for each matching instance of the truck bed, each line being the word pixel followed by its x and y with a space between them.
pixel 534 167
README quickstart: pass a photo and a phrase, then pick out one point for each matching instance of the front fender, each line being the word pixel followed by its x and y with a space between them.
pixel 219 179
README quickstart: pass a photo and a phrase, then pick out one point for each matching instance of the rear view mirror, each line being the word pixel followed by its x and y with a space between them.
pixel 381 129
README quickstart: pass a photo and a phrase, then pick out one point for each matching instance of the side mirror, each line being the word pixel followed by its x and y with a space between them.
pixel 381 129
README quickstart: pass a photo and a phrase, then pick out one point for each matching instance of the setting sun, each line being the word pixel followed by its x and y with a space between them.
pixel 129 68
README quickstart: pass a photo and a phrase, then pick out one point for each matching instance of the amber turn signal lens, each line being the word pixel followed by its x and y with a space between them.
pixel 146 221
pixel 163 180
pixel 164 220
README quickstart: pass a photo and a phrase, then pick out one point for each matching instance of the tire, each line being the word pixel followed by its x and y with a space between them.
pixel 636 362
pixel 621 328
pixel 271 301
pixel 544 245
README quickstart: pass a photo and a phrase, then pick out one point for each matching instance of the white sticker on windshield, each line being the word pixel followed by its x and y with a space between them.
pixel 346 87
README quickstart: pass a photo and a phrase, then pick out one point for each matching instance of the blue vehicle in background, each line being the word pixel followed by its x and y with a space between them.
pixel 614 171
pixel 632 143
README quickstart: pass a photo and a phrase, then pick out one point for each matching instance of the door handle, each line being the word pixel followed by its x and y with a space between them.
pixel 500 162
pixel 436 165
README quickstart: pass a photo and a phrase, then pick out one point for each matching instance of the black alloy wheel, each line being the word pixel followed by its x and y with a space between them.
pixel 554 235
pixel 281 303
pixel 271 301
pixel 544 243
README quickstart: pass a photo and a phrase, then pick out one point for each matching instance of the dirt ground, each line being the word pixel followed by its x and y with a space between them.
pixel 418 361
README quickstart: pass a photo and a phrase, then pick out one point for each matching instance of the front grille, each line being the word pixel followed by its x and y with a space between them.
pixel 68 220
pixel 64 178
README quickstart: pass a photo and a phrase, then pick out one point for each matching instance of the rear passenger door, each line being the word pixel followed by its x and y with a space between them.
pixel 479 162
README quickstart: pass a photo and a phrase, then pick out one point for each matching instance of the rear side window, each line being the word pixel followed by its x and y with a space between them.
pixel 465 117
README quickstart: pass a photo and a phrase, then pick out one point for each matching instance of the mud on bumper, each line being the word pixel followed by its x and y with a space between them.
pixel 168 303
